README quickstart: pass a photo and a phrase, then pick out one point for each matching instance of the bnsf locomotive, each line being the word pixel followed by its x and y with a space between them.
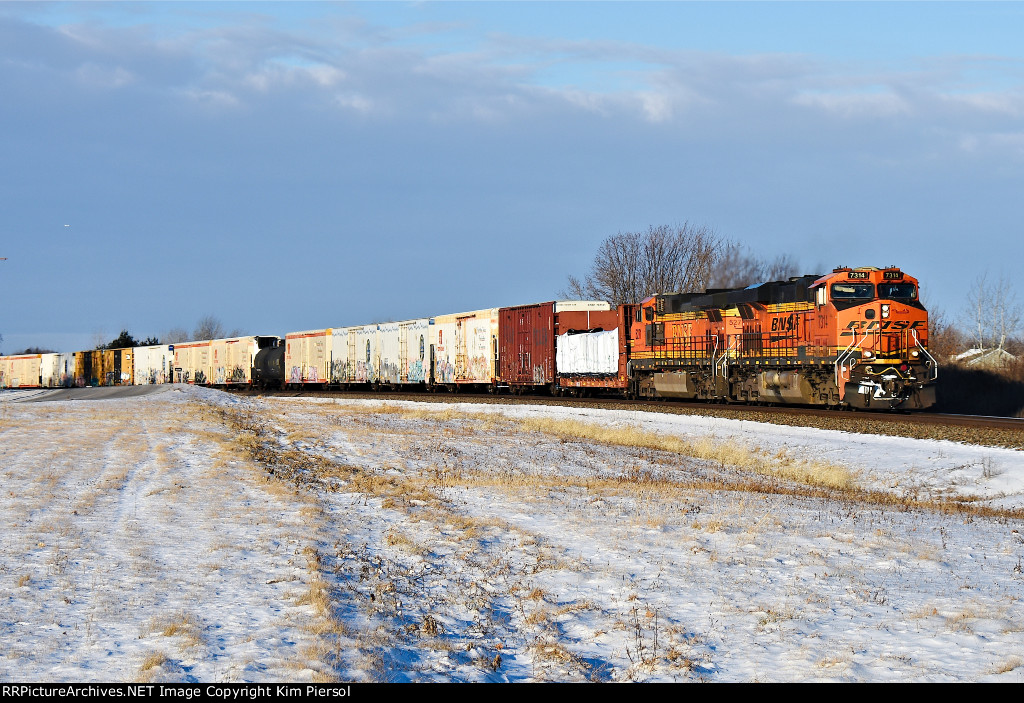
pixel 854 337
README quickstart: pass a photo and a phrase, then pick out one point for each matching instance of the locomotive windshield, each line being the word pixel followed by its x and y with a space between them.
pixel 901 291
pixel 853 290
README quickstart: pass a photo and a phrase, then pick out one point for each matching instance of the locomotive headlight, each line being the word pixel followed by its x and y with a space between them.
pixel 885 310
pixel 915 354
pixel 867 355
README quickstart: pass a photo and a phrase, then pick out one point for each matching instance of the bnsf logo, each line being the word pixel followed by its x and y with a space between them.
pixel 784 324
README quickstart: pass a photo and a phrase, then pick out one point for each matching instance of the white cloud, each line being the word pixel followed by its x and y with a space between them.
pixel 1009 104
pixel 657 107
pixel 354 102
pixel 211 98
pixel 97 76
pixel 855 104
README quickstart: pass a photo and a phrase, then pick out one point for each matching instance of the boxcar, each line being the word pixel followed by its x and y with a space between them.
pixel 465 348
pixel 153 364
pixel 527 334
pixel 307 357
pixel 343 355
pixel 57 370
pixel 118 367
pixel 192 362
pixel 21 371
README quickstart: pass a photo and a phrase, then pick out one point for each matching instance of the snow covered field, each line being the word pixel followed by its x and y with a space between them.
pixel 195 536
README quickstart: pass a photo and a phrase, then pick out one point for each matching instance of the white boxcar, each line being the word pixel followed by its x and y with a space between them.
pixel 404 351
pixel 465 346
pixel 355 356
pixel 231 360
pixel 192 362
pixel 20 371
pixel 414 350
pixel 389 346
pixel 57 370
pixel 153 364
pixel 343 354
pixel 307 356
pixel 367 350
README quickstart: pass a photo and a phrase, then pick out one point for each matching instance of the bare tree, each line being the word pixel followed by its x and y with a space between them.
pixel 629 266
pixel 737 266
pixel 993 314
pixel 174 336
pixel 944 337
pixel 208 327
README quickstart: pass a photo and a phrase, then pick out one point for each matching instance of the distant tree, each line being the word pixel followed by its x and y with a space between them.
pixel 174 336
pixel 149 342
pixel 122 341
pixel 629 266
pixel 993 314
pixel 208 327
pixel 35 350
pixel 737 267
pixel 945 339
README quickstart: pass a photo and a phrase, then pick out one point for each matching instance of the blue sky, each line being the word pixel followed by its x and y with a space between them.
pixel 288 166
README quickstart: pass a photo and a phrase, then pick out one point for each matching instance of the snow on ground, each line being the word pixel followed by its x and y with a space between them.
pixel 148 539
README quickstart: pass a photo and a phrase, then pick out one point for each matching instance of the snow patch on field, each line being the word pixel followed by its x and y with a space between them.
pixel 195 535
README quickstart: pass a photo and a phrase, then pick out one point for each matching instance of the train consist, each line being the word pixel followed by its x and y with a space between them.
pixel 854 337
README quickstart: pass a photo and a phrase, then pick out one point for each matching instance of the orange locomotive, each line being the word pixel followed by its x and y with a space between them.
pixel 854 337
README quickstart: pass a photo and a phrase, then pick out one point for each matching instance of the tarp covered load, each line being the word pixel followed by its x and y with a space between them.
pixel 588 353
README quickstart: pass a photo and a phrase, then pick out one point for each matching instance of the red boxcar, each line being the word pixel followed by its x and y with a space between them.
pixel 527 337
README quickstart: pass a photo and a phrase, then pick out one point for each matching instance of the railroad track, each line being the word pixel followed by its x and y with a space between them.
pixel 971 429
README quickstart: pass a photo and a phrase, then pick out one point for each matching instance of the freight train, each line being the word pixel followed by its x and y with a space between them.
pixel 856 337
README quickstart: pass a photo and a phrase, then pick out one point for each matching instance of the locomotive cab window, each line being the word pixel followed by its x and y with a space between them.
pixel 899 291
pixel 846 291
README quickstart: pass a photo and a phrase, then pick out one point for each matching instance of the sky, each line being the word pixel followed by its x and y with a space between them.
pixel 290 166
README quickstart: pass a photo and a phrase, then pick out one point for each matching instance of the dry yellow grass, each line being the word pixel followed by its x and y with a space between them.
pixel 152 661
pixel 1008 665
pixel 705 448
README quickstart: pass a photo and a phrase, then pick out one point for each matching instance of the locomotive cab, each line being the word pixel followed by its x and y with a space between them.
pixel 878 328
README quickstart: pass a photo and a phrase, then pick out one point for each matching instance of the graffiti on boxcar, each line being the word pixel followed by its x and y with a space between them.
pixel 339 371
pixel 414 373
pixel 295 374
pixel 444 372
pixel 479 369
pixel 362 372
pixel 389 371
